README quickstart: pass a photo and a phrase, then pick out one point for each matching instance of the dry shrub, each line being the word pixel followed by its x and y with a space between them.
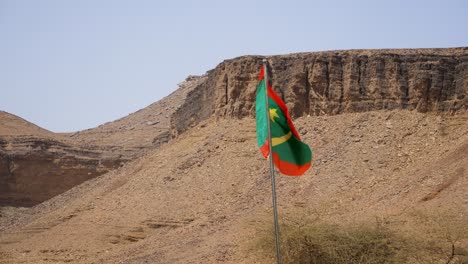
pixel 330 243
pixel 424 237
pixel 443 232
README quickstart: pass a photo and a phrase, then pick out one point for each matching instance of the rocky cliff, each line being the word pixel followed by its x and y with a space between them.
pixel 36 164
pixel 334 82
pixel 34 169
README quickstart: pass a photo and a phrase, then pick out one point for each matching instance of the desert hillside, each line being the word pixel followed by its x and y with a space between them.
pixel 182 180
pixel 147 128
pixel 36 165
pixel 16 126
pixel 205 207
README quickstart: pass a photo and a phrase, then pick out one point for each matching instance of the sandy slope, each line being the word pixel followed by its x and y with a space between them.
pixel 12 125
pixel 146 128
pixel 36 164
pixel 200 198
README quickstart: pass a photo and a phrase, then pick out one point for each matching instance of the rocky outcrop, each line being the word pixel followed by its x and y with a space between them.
pixel 142 130
pixel 35 169
pixel 36 164
pixel 334 82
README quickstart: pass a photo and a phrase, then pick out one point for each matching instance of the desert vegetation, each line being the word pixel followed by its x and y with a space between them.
pixel 423 236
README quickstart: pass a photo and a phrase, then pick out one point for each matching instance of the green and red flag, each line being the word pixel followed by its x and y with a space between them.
pixel 290 155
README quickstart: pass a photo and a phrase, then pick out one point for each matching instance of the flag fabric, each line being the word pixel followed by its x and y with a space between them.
pixel 290 155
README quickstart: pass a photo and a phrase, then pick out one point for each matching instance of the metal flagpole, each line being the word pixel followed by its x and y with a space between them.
pixel 272 168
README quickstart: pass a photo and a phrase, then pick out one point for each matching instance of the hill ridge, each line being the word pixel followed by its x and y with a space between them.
pixel 315 84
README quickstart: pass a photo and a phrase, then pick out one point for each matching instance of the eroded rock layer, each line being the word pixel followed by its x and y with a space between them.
pixel 35 169
pixel 36 164
pixel 334 82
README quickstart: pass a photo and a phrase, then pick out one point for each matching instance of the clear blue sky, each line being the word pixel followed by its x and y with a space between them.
pixel 72 65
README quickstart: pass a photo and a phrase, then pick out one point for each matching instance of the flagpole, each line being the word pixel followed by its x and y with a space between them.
pixel 272 168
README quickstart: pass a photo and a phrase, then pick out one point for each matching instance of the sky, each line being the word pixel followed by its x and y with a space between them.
pixel 72 65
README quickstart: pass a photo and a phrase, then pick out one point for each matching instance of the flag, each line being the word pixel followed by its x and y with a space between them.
pixel 290 155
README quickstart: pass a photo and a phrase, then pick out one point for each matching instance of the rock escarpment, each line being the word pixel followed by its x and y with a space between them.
pixel 35 169
pixel 334 82
pixel 36 164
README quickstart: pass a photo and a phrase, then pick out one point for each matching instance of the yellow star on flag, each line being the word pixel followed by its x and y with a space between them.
pixel 274 114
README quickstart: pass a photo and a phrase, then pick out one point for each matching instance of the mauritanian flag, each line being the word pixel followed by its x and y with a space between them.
pixel 290 155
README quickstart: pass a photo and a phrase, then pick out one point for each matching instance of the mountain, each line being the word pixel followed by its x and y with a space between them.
pixel 36 164
pixel 388 129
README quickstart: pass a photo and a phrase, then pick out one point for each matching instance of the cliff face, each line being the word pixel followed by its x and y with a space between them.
pixel 36 164
pixel 35 169
pixel 334 82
